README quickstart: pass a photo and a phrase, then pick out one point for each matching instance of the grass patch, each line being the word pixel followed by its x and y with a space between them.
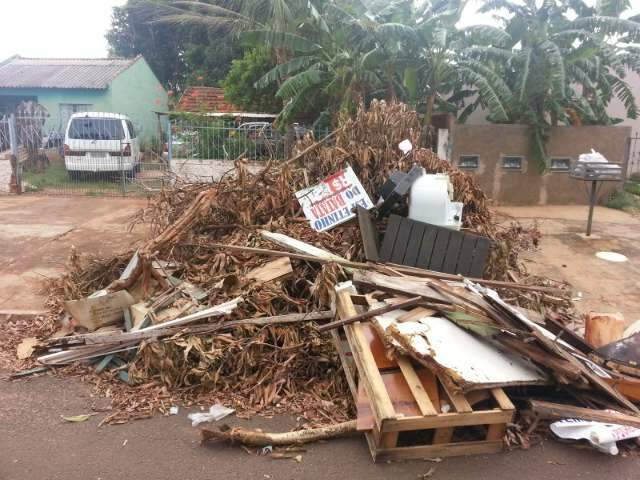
pixel 56 179
pixel 623 200
pixel 633 188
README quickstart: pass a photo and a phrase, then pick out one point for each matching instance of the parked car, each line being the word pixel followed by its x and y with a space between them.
pixel 263 135
pixel 101 142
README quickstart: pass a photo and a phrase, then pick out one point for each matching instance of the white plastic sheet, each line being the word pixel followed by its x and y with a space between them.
pixel 216 412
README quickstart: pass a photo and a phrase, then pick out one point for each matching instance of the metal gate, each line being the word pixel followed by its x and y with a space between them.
pixel 103 157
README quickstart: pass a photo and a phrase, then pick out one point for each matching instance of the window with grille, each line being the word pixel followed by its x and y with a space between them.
pixel 512 162
pixel 469 162
pixel 560 164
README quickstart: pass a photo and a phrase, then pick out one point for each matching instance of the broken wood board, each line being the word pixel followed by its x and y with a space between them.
pixel 95 312
pixel 469 362
pixel 272 271
pixel 401 285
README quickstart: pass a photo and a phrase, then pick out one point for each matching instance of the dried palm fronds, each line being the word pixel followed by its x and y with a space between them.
pixel 274 368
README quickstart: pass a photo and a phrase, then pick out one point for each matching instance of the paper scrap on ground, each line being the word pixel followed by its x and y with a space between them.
pixel 333 200
pixel 215 413
pixel 26 347
pixel 602 436
pixel 76 418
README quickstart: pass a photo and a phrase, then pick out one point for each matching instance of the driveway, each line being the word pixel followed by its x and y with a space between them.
pixel 37 233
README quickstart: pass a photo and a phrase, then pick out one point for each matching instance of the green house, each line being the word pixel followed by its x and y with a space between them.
pixel 66 86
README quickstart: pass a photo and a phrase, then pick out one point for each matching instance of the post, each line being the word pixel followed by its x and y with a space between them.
pixel 15 160
pixel 122 174
pixel 592 204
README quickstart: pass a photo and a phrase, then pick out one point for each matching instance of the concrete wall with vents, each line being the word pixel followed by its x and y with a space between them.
pixel 526 185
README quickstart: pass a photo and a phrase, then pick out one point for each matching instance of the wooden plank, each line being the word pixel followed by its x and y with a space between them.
pixel 426 248
pixel 413 249
pixel 501 398
pixel 367 369
pixel 369 233
pixel 411 302
pixel 439 249
pixel 430 384
pixel 402 399
pixel 443 450
pixel 397 285
pixel 457 399
pixel 447 420
pixel 496 431
pixel 390 237
pixel 346 367
pixel 377 347
pixel 466 255
pixel 628 386
pixel 272 271
pixel 453 252
pixel 402 241
pixel 560 411
pixel 443 435
pixel 415 314
pixel 415 385
pixel 479 257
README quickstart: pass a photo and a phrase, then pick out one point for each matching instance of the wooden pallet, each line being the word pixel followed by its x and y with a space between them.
pixel 400 405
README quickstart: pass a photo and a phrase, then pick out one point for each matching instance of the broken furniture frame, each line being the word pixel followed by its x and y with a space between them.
pixel 404 400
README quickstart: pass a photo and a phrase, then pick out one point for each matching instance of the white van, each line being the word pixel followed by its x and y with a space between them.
pixel 101 142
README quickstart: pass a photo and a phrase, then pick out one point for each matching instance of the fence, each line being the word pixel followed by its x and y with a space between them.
pixel 102 156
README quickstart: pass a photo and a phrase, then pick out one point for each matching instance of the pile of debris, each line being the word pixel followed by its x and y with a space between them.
pixel 235 292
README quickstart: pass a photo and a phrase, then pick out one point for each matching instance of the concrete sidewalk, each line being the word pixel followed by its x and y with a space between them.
pixel 37 232
pixel 566 254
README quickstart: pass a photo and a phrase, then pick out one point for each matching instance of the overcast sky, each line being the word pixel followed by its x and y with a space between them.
pixel 55 28
pixel 76 28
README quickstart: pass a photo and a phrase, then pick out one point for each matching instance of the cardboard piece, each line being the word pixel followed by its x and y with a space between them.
pixel 96 312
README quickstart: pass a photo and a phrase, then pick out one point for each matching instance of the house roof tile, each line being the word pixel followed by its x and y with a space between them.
pixel 204 99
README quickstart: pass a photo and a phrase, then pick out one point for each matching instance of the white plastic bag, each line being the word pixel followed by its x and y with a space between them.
pixel 216 412
pixel 602 436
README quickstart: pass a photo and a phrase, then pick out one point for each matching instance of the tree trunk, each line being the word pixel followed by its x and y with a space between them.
pixel 262 439
pixel 428 116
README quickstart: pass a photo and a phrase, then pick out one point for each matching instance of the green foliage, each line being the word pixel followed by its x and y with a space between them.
pixel 240 83
pixel 635 177
pixel 633 188
pixel 622 200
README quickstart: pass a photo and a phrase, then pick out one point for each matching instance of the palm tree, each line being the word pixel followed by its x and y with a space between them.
pixel 560 60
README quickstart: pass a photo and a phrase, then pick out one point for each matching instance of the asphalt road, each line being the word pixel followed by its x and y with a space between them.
pixel 35 443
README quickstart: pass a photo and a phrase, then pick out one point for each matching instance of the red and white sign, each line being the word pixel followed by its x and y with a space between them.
pixel 333 200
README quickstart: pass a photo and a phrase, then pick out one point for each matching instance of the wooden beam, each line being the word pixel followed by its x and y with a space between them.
pixel 448 420
pixel 369 374
pixel 412 302
pixel 421 452
pixel 415 385
pixel 561 411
